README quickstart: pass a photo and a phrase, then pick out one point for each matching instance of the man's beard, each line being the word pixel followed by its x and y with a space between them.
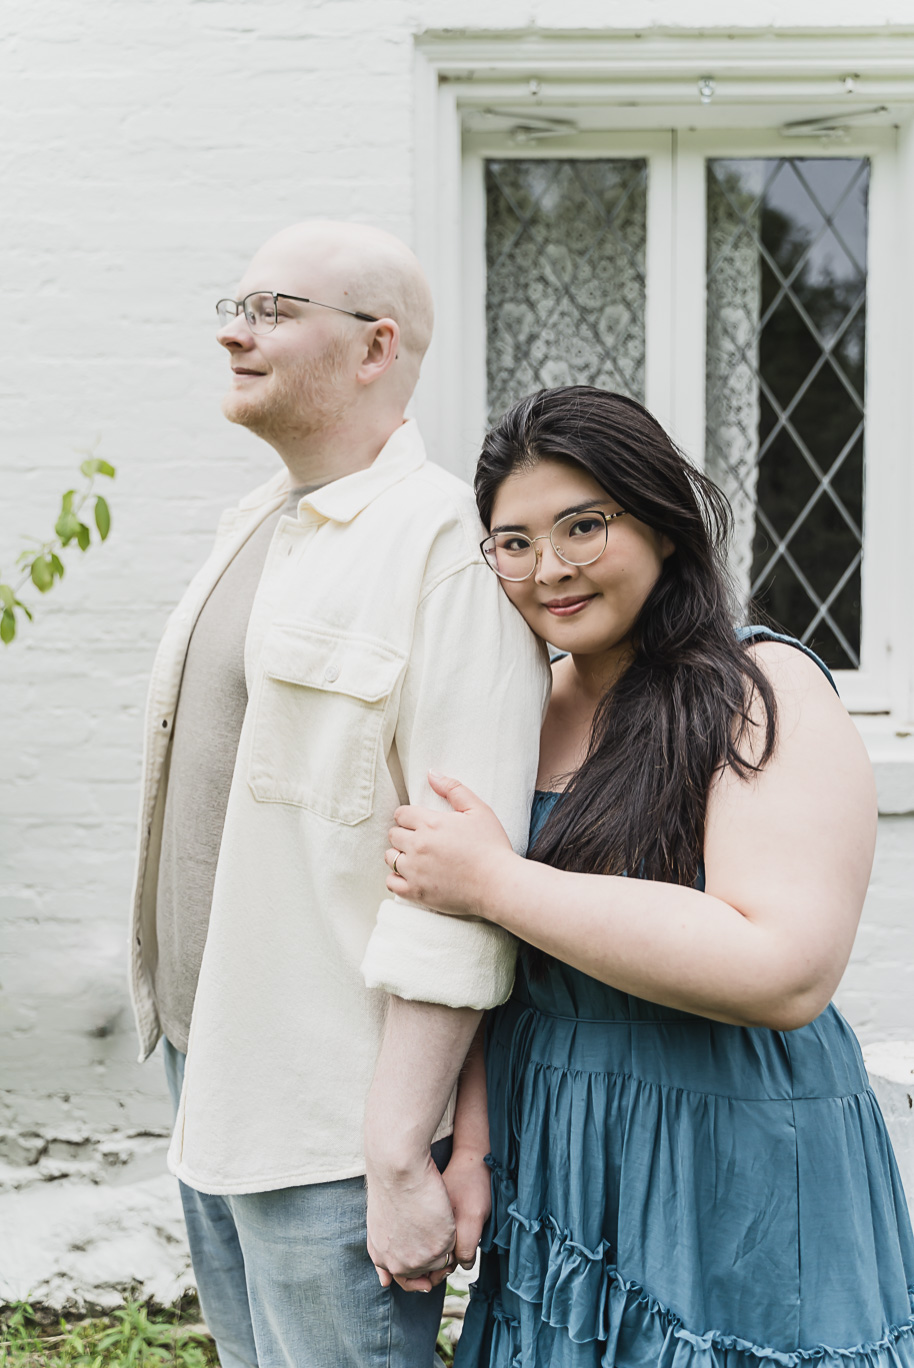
pixel 300 400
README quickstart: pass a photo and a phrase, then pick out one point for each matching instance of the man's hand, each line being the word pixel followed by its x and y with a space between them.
pixel 469 1186
pixel 411 1228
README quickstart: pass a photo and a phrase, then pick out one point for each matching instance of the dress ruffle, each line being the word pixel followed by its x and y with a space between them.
pixel 584 1312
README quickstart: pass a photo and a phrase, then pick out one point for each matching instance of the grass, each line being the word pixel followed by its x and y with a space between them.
pixel 451 1323
pixel 141 1335
pixel 133 1336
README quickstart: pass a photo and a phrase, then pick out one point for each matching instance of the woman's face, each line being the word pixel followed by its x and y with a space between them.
pixel 582 609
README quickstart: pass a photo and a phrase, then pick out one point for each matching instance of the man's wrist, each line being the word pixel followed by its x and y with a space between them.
pixel 396 1161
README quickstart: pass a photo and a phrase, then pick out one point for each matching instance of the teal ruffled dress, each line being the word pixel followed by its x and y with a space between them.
pixel 673 1192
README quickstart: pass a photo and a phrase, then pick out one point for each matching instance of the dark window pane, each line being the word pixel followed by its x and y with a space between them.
pixel 785 385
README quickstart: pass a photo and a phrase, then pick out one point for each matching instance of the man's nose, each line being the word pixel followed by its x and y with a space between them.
pixel 236 335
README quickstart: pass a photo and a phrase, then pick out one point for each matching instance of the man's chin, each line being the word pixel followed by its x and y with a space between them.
pixel 239 410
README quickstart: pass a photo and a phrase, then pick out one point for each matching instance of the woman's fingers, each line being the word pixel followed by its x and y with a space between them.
pixel 469 1233
pixel 424 1284
pixel 392 858
pixel 458 795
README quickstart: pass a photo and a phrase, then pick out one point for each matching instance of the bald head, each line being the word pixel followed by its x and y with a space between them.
pixel 327 386
pixel 357 267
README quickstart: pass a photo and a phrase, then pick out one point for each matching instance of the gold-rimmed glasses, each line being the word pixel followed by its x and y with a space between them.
pixel 577 539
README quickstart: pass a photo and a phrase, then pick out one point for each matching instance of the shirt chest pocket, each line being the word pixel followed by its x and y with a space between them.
pixel 318 719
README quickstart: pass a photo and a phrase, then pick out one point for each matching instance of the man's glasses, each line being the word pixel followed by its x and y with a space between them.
pixel 577 539
pixel 262 312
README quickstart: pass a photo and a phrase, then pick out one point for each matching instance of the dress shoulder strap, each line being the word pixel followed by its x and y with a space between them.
pixel 756 633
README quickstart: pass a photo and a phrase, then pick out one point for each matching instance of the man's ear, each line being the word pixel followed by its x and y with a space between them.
pixel 381 349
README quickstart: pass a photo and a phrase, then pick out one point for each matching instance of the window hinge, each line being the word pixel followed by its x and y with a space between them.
pixel 829 127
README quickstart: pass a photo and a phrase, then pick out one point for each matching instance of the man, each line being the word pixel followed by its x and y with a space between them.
pixel 343 637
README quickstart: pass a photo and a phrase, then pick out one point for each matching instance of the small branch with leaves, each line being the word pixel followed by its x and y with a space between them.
pixel 40 564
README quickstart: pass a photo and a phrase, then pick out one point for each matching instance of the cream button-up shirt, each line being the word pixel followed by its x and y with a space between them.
pixel 379 645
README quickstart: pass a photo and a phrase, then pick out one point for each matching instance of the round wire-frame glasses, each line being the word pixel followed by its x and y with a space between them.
pixel 261 310
pixel 577 539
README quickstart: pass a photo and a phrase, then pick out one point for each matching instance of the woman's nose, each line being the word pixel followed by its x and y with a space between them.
pixel 549 565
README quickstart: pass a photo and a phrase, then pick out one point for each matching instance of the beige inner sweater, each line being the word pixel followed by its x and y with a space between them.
pixel 207 729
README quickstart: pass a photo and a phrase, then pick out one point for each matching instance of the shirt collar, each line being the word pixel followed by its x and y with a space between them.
pixel 344 499
pixel 341 500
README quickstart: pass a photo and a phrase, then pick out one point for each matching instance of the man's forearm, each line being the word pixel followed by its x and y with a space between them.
pixel 421 1056
pixel 411 1227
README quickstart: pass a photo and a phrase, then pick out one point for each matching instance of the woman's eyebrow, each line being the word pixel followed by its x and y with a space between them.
pixel 565 513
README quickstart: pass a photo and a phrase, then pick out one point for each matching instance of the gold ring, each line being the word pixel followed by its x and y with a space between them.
pixel 394 865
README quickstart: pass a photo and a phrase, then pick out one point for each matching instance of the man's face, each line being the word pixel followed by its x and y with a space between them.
pixel 299 379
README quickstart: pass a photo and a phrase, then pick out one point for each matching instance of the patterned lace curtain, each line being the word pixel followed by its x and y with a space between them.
pixel 732 391
pixel 565 290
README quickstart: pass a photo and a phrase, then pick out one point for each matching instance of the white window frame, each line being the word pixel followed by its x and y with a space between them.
pixel 643 90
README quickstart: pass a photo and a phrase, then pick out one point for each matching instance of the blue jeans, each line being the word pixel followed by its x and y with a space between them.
pixel 285 1280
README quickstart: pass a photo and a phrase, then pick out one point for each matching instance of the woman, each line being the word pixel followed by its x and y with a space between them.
pixel 687 1163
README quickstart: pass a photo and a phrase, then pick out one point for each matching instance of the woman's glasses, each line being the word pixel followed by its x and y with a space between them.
pixel 577 539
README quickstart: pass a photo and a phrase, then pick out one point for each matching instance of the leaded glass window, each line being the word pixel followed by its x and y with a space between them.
pixel 565 284
pixel 786 317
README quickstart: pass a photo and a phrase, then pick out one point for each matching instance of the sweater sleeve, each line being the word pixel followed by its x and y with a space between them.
pixel 472 705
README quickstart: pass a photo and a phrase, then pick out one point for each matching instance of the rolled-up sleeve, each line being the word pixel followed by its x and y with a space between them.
pixel 472 704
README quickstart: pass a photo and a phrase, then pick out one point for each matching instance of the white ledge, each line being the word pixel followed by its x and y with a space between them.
pixel 891 751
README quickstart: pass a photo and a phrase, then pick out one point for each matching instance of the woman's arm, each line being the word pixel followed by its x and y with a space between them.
pixel 467 1177
pixel 788 855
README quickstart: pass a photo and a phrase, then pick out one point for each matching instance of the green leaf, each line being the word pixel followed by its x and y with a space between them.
pixel 83 537
pixel 7 626
pixel 66 502
pixel 102 517
pixel 94 466
pixel 67 527
pixel 25 608
pixel 7 597
pixel 57 565
pixel 42 574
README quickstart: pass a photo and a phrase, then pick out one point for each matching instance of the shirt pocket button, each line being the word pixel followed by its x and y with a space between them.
pixel 332 674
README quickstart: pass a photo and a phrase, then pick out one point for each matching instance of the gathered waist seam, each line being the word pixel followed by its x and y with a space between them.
pixel 788 1098
pixel 635 1021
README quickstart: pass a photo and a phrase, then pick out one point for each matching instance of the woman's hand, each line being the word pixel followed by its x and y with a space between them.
pixel 469 1186
pixel 448 860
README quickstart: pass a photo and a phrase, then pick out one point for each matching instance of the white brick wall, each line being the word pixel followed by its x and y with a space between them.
pixel 149 146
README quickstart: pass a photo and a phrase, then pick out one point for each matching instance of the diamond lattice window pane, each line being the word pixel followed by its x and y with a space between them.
pixel 786 339
pixel 565 288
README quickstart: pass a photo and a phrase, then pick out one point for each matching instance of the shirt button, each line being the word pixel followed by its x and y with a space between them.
pixel 332 673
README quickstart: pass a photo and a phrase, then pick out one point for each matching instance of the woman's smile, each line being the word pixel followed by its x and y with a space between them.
pixel 566 607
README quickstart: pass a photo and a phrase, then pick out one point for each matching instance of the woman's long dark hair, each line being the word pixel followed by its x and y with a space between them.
pixel 680 712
